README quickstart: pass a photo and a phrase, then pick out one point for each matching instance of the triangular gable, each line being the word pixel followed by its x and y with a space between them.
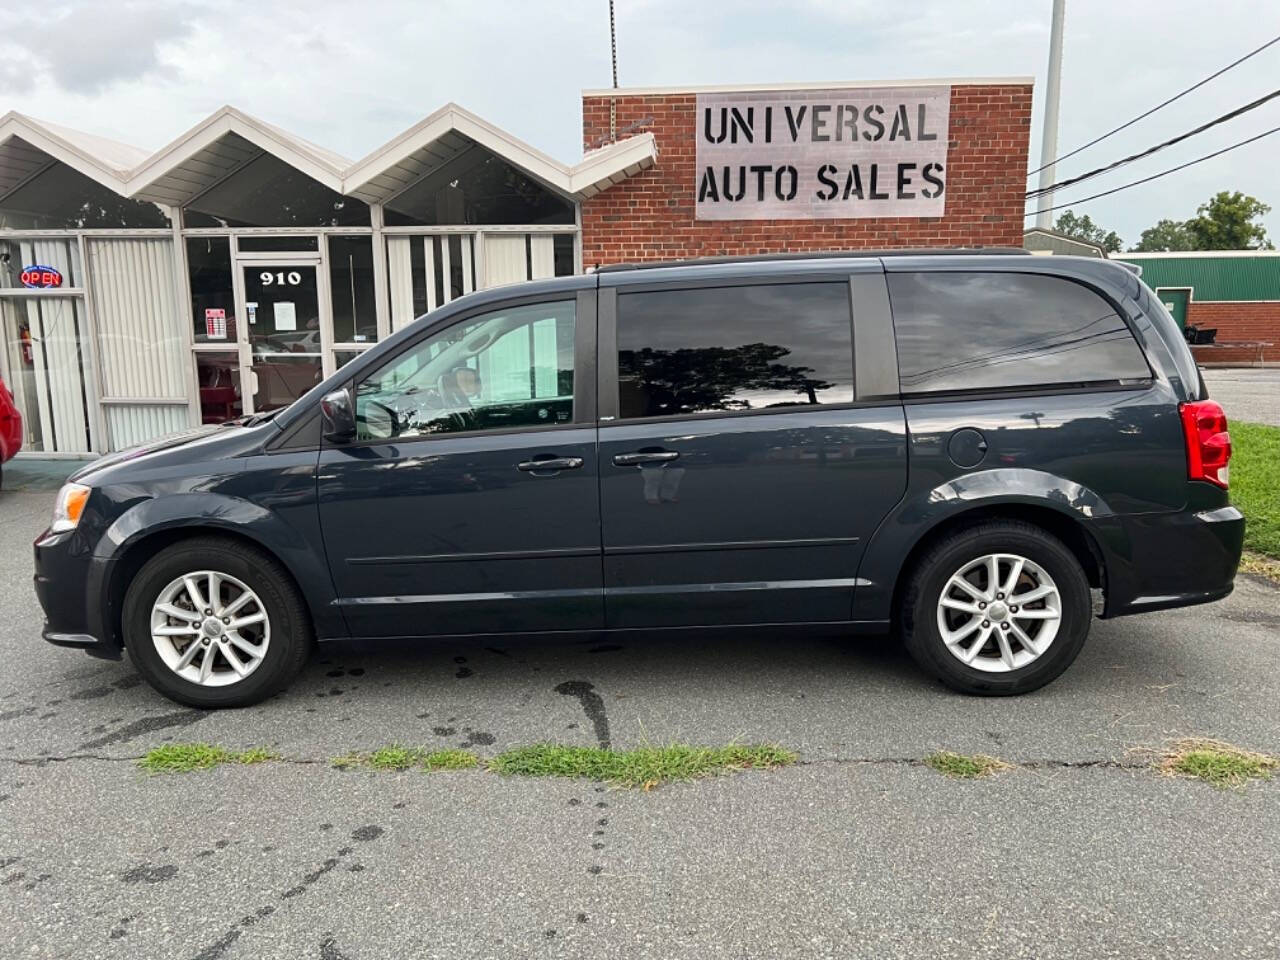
pixel 451 130
pixel 27 145
pixel 222 143
pixel 219 145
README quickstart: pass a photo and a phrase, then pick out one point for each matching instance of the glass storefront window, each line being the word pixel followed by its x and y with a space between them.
pixel 563 255
pixel 351 288
pixel 61 198
pixel 47 371
pixel 61 254
pixel 213 304
pixel 253 243
pixel 218 376
pixel 267 192
pixel 490 191
pixel 342 357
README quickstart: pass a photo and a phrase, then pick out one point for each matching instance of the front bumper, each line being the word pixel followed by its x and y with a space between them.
pixel 1159 561
pixel 71 586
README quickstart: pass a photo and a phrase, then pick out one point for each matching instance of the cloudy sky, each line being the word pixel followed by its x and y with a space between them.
pixel 350 75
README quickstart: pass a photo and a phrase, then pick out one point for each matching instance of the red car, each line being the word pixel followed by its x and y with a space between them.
pixel 10 425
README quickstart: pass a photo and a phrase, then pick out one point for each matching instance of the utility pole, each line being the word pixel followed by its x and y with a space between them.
pixel 613 55
pixel 1049 135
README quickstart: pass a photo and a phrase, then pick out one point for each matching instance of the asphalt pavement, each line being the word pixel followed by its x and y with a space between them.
pixel 1250 394
pixel 858 851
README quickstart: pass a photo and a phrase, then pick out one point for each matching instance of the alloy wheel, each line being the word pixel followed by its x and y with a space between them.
pixel 999 612
pixel 210 628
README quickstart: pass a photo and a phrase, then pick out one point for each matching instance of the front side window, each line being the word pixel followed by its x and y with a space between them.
pixel 506 369
pixel 975 331
pixel 683 352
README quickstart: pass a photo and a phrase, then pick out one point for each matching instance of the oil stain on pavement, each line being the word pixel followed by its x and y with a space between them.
pixel 592 706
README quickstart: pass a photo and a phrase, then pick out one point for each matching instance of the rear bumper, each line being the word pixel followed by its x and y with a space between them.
pixel 70 584
pixel 1158 561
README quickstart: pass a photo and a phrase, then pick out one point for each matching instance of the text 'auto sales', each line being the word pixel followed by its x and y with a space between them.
pixel 822 153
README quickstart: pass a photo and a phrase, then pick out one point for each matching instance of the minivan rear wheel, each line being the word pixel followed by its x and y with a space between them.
pixel 999 608
pixel 211 622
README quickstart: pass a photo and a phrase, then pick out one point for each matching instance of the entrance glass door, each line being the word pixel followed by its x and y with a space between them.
pixel 283 324
pixel 46 370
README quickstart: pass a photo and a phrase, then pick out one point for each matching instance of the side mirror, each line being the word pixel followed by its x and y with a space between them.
pixel 339 416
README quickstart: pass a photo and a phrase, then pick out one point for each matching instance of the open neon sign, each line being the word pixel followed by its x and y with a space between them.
pixel 38 275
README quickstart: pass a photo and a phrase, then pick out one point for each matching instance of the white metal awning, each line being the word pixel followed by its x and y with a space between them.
pixel 452 131
pixel 28 145
pixel 227 140
pixel 217 147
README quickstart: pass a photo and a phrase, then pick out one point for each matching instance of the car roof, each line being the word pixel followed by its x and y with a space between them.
pixel 814 255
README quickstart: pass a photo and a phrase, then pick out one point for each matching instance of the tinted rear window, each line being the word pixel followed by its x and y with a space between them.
pixel 734 348
pixel 973 331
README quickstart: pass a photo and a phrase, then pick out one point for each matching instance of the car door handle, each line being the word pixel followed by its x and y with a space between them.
pixel 550 464
pixel 642 457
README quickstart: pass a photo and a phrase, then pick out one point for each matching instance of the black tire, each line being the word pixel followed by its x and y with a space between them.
pixel 291 636
pixel 919 620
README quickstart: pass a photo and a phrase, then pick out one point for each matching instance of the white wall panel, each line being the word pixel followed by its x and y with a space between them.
pixel 141 343
pixel 140 340
pixel 400 280
pixel 505 259
pixel 542 255
pixel 130 424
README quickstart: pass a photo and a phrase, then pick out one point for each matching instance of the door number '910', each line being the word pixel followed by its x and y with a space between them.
pixel 292 278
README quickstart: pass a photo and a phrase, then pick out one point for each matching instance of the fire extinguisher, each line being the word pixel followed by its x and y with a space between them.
pixel 24 334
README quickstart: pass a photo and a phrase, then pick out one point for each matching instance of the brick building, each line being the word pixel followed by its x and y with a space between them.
pixel 654 214
pixel 1235 292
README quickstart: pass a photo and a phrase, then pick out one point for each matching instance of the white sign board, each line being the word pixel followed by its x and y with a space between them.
pixel 286 316
pixel 822 154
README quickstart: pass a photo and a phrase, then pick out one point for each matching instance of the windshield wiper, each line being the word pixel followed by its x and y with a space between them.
pixel 256 418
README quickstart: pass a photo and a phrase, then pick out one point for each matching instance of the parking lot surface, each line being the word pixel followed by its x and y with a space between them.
pixel 1248 394
pixel 857 851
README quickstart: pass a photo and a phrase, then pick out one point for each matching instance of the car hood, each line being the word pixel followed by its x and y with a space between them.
pixel 196 437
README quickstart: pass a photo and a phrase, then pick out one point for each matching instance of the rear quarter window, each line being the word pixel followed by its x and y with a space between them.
pixel 984 331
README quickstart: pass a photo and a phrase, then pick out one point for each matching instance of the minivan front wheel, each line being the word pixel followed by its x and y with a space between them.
pixel 215 623
pixel 998 608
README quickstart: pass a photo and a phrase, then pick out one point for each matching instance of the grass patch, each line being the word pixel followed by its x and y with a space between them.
pixel 1255 485
pixel 964 767
pixel 396 757
pixel 642 767
pixel 185 757
pixel 450 760
pixel 1218 763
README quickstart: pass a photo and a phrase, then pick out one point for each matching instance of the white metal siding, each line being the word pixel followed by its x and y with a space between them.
pixel 141 346
pixel 542 256
pixel 400 280
pixel 129 424
pixel 505 259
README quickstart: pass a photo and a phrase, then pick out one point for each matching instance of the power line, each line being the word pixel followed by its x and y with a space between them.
pixel 1158 106
pixel 1163 173
pixel 1238 111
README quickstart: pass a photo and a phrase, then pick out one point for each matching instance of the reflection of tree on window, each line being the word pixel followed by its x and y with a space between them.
pixel 665 382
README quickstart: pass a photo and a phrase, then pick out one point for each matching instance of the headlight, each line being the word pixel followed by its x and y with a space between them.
pixel 68 507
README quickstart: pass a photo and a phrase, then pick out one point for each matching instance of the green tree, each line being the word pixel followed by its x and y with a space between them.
pixel 1227 222
pixel 1166 235
pixel 1083 228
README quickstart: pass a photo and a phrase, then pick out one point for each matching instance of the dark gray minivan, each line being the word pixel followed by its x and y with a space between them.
pixel 980 450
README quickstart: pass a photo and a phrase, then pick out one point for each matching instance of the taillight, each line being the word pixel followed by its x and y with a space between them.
pixel 1204 425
